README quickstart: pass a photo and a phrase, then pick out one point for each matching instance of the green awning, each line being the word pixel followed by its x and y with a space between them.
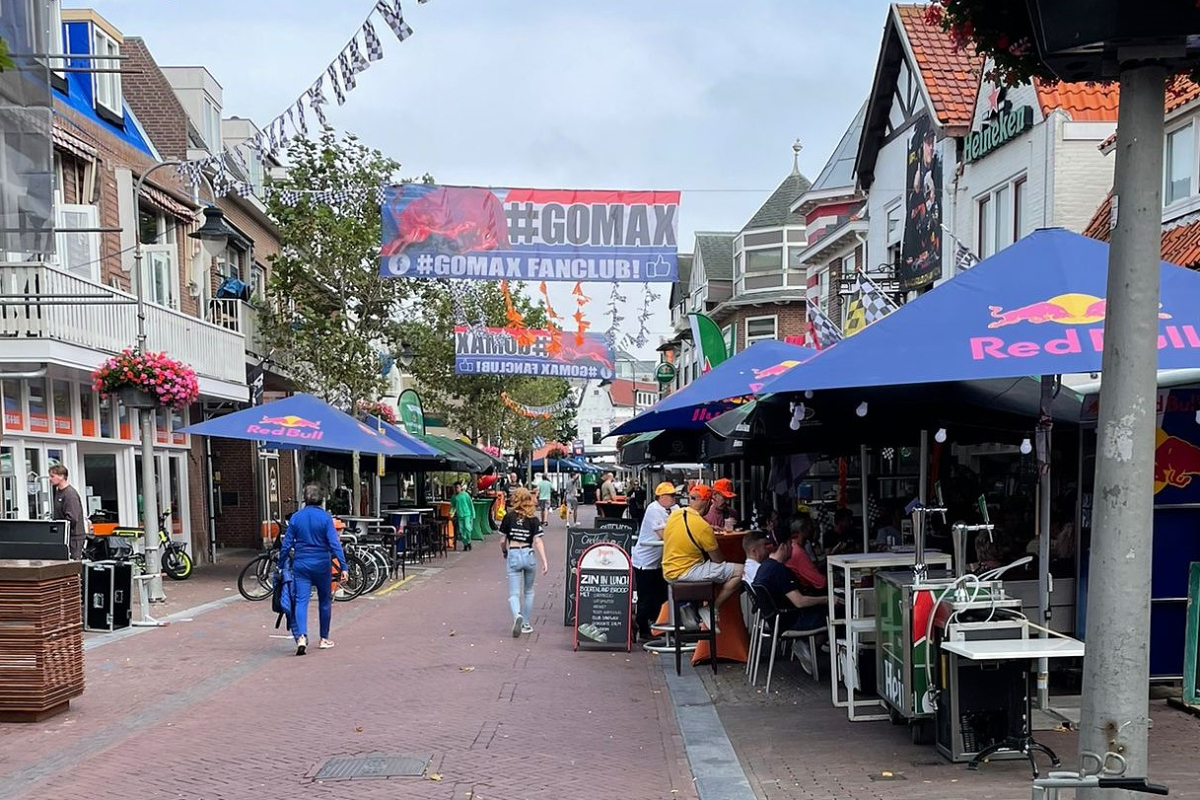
pixel 460 455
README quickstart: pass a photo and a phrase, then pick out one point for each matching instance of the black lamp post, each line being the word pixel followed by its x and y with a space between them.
pixel 406 356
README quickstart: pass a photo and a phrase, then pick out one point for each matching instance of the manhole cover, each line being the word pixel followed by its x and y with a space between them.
pixel 375 766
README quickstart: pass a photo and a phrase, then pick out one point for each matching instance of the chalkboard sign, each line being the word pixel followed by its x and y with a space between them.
pixel 604 598
pixel 618 525
pixel 580 539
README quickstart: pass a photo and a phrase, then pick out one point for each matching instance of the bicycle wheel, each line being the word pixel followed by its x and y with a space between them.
pixel 257 579
pixel 371 576
pixel 177 564
pixel 356 573
pixel 382 569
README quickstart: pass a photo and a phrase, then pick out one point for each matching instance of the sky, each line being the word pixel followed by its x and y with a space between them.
pixel 702 96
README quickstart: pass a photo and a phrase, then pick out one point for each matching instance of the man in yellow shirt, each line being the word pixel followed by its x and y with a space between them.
pixel 690 550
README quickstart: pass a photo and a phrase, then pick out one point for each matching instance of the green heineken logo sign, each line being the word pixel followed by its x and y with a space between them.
pixel 665 373
pixel 1007 126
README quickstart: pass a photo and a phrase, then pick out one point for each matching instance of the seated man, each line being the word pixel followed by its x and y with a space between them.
pixel 757 545
pixel 691 552
pixel 812 580
pixel 796 611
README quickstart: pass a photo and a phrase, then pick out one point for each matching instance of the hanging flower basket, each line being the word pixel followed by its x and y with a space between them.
pixel 379 409
pixel 146 380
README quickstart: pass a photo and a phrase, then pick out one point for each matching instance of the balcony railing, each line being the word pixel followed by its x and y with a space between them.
pixel 213 351
pixel 235 315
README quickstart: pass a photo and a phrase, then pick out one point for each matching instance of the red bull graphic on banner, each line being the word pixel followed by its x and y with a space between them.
pixel 538 353
pixel 1077 327
pixel 475 233
pixel 1177 448
pixel 291 426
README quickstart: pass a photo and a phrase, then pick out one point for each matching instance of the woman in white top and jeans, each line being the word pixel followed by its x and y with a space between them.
pixel 522 534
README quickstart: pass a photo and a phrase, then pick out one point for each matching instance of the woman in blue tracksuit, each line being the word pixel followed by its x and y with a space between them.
pixel 310 531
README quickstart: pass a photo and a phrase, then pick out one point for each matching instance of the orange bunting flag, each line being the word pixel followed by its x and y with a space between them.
pixel 581 299
pixel 554 348
pixel 581 326
pixel 550 313
pixel 515 320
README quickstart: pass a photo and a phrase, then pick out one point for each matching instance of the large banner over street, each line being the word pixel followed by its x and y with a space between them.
pixel 545 354
pixel 475 233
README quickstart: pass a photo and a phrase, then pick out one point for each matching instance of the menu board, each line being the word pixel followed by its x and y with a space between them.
pixel 580 539
pixel 618 525
pixel 604 598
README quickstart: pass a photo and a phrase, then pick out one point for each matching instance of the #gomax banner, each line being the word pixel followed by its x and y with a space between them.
pixel 499 351
pixel 475 233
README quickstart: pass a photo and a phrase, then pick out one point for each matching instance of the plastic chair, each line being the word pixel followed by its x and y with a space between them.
pixel 767 627
pixel 681 593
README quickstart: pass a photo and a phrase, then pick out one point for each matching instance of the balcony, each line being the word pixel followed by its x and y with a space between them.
pixel 239 317
pixel 80 335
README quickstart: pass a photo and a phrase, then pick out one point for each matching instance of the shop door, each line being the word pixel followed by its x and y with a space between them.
pixel 11 506
pixel 101 486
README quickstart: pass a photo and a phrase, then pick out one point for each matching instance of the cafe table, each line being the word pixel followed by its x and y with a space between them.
pixel 483 517
pixel 733 640
pixel 359 526
pixel 610 509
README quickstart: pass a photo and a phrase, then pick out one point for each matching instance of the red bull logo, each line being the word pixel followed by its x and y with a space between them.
pixel 1073 309
pixel 1176 462
pixel 762 375
pixel 289 426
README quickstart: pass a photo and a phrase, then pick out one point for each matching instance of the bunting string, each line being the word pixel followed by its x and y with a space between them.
pixel 536 412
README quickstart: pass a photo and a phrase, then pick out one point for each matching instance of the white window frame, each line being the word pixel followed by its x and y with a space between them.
pixel 106 86
pixel 88 216
pixel 894 237
pixel 752 338
pixel 211 114
pixel 823 290
pixel 1192 175
pixel 996 217
pixel 779 264
pixel 729 334
pixel 54 46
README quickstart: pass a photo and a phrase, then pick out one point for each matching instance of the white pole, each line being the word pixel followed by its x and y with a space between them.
pixel 862 455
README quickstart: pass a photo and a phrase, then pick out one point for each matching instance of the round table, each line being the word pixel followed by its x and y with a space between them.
pixel 610 509
pixel 733 640
pixel 483 517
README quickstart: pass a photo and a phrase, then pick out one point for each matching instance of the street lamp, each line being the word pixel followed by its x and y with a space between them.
pixel 213 235
pixel 406 356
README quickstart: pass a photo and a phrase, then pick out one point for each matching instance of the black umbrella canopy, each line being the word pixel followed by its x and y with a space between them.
pixel 972 412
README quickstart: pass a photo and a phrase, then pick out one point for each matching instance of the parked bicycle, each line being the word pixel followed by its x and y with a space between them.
pixel 365 567
pixel 118 546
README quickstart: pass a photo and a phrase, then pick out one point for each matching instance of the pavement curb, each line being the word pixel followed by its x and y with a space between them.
pixel 717 773
pixel 187 613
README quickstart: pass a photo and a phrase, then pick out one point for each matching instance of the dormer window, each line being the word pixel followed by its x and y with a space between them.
pixel 212 125
pixel 107 85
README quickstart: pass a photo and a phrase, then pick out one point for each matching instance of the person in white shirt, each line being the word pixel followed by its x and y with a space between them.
pixel 757 545
pixel 647 559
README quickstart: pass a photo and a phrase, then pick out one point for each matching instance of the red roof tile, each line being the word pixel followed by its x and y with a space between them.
pixel 1180 242
pixel 951 75
pixel 622 391
pixel 1180 91
pixel 1085 102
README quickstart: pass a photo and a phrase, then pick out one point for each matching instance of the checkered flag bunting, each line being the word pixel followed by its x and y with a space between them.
pixel 316 99
pixel 371 40
pixel 824 332
pixel 357 62
pixel 964 259
pixel 348 79
pixel 394 17
pixel 338 94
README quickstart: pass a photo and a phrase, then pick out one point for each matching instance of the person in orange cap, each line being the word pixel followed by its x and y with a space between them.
pixel 721 510
pixel 691 552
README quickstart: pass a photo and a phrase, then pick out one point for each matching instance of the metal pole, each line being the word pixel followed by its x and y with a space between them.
pixel 862 464
pixel 146 416
pixel 924 467
pixel 1116 670
pixel 1043 523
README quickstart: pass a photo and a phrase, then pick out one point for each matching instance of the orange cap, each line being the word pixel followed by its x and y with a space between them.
pixel 724 486
pixel 701 491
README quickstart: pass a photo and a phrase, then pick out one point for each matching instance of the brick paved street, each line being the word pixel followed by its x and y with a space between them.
pixel 216 708
pixel 794 745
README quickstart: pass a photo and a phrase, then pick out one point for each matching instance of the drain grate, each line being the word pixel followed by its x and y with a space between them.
pixel 344 768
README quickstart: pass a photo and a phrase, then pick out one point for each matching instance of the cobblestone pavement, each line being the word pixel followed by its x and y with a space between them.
pixel 218 709
pixel 795 745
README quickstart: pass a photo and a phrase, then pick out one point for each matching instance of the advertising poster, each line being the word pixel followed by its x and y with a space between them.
pixel 579 540
pixel 605 598
pixel 537 353
pixel 476 233
pixel 921 250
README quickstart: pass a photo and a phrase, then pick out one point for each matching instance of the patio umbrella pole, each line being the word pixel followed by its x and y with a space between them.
pixel 1043 525
pixel 862 463
pixel 1116 669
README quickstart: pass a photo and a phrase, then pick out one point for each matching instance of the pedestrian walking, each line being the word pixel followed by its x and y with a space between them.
pixel 68 506
pixel 522 540
pixel 572 498
pixel 464 515
pixel 311 536
pixel 545 493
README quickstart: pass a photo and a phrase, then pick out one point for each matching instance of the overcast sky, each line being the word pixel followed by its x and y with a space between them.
pixel 702 96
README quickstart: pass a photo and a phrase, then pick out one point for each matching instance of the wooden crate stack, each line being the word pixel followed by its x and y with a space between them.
pixel 41 638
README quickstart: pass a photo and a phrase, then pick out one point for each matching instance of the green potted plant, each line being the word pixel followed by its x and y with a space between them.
pixel 146 380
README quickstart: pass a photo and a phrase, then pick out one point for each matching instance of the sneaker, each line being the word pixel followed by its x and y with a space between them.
pixel 302 645
pixel 325 644
pixel 706 617
pixel 526 628
pixel 518 621
pixel 688 620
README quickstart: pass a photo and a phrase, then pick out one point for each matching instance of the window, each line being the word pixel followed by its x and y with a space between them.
pixel 212 125
pixel 254 171
pixel 107 85
pixel 1001 216
pixel 729 333
pixel 822 299
pixel 39 412
pixel 64 417
pixel 54 40
pixel 895 232
pixel 759 328
pixel 258 282
pixel 770 260
pixel 235 262
pixel 1180 164
pixel 78 251
pixel 159 255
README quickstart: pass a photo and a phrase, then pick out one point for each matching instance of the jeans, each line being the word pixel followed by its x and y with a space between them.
pixel 652 593
pixel 520 567
pixel 309 574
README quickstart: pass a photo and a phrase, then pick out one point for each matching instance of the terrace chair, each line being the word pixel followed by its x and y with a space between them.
pixel 767 628
pixel 680 594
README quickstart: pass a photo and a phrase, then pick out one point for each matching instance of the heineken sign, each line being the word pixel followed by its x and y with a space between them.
pixel 665 373
pixel 1007 126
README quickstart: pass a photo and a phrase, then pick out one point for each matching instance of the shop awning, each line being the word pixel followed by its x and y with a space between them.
pixel 1035 308
pixel 722 388
pixel 460 455
pixel 659 447
pixel 421 453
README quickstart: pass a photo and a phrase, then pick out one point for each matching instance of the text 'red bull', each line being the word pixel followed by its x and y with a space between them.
pixel 1173 337
pixel 289 427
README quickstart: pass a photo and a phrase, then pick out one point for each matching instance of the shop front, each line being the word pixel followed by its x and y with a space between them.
pixel 59 419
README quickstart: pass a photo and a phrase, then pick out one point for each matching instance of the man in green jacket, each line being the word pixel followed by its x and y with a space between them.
pixel 464 515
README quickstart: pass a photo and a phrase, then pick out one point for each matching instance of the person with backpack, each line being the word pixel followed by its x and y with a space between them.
pixel 314 543
pixel 522 539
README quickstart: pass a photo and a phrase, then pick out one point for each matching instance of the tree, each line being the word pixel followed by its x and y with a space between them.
pixel 472 404
pixel 331 313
